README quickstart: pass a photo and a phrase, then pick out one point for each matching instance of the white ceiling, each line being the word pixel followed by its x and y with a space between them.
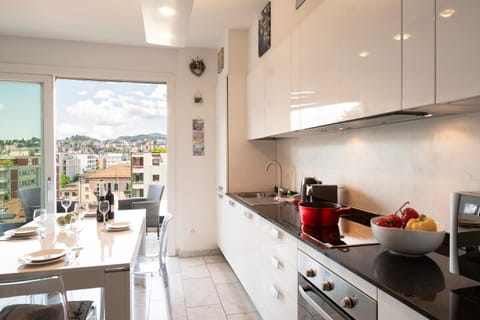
pixel 119 21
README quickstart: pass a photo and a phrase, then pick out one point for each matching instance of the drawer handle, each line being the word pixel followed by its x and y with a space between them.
pixel 275 293
pixel 275 263
pixel 220 188
pixel 231 203
pixel 119 269
pixel 220 196
pixel 247 214
pixel 275 233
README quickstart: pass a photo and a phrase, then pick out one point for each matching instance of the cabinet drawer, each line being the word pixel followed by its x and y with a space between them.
pixel 277 243
pixel 276 303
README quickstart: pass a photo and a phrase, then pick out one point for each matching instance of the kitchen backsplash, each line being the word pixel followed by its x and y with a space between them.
pixel 381 167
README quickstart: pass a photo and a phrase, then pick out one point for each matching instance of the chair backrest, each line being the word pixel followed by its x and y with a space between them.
pixel 38 298
pixel 163 238
pixel 30 199
pixel 155 192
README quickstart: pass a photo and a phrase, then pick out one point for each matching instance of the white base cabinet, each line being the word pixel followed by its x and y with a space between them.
pixel 263 257
pixel 390 308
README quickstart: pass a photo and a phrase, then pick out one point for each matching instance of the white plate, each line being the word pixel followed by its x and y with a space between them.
pixel 44 256
pixel 114 226
pixel 89 213
pixel 22 232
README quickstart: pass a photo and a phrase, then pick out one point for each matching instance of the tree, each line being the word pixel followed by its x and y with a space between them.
pixel 159 150
pixel 64 180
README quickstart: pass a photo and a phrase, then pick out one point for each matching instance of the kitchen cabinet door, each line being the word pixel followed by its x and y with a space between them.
pixel 418 53
pixel 350 60
pixel 278 266
pixel 279 116
pixel 256 102
pixel 390 308
pixel 458 49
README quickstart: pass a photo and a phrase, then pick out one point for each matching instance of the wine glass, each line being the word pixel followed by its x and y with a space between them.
pixel 76 226
pixel 104 207
pixel 40 219
pixel 66 203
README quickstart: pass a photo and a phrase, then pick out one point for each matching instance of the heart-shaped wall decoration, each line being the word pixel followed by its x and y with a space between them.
pixel 197 66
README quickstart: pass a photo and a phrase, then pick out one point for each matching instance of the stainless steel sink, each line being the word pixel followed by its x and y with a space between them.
pixel 256 194
pixel 257 198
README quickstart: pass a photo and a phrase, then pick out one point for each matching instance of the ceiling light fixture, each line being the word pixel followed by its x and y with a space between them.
pixel 398 37
pixel 364 54
pixel 166 11
pixel 170 27
pixel 447 13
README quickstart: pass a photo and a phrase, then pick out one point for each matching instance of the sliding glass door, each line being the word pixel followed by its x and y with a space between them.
pixel 27 166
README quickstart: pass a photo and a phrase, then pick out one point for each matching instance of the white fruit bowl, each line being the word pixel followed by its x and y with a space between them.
pixel 408 242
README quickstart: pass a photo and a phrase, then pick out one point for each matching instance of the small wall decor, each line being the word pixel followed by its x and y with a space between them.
pixel 299 3
pixel 220 59
pixel 198 137
pixel 197 97
pixel 264 30
pixel 197 66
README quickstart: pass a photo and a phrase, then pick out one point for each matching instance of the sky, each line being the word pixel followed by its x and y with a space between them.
pixel 105 109
pixel 20 110
pixel 99 109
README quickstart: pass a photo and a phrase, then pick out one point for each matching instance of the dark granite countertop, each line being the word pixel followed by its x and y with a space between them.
pixel 424 284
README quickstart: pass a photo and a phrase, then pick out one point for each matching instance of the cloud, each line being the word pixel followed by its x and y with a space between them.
pixel 104 94
pixel 160 92
pixel 139 93
pixel 2 107
pixel 83 92
pixel 67 130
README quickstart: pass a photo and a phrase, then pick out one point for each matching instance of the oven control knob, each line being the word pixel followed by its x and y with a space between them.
pixel 348 302
pixel 310 273
pixel 327 286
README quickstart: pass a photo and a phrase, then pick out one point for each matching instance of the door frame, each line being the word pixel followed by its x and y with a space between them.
pixel 47 159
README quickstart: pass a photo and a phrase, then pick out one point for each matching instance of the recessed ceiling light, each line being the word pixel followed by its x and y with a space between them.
pixel 447 13
pixel 364 54
pixel 399 37
pixel 167 11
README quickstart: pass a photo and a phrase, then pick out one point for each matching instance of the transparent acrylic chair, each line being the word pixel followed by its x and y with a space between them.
pixel 39 299
pixel 150 265
pixel 145 267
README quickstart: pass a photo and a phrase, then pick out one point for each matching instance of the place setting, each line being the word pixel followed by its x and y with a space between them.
pixel 117 226
pixel 22 233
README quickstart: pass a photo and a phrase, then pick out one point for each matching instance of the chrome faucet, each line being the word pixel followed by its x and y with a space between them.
pixel 279 186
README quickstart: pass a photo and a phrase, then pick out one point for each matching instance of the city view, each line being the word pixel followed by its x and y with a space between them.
pixel 127 149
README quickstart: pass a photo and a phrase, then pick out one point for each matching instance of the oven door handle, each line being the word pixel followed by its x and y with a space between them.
pixel 312 303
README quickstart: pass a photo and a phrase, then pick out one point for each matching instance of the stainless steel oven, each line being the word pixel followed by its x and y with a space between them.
pixel 322 294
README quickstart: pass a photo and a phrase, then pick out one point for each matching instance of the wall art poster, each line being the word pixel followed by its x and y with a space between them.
pixel 198 137
pixel 264 30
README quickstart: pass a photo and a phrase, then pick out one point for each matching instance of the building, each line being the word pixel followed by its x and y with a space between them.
pixel 118 176
pixel 146 169
pixel 18 173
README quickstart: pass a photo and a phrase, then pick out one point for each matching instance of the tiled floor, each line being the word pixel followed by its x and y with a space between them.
pixel 199 288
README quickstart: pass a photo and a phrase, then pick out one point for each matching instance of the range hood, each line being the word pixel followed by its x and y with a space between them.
pixel 418 113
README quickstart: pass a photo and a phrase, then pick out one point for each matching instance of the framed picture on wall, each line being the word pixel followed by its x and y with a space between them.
pixel 264 30
pixel 299 3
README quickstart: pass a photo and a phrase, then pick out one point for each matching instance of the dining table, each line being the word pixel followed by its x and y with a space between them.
pixel 95 257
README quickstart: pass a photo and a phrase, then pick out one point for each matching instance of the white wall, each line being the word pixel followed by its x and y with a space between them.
pixel 382 167
pixel 195 175
pixel 191 179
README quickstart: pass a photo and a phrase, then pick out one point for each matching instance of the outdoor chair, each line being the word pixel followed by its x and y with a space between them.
pixel 151 204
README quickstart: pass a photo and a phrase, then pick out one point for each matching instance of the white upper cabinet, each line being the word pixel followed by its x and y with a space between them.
pixel 418 53
pixel 280 117
pixel 458 49
pixel 350 60
pixel 256 102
